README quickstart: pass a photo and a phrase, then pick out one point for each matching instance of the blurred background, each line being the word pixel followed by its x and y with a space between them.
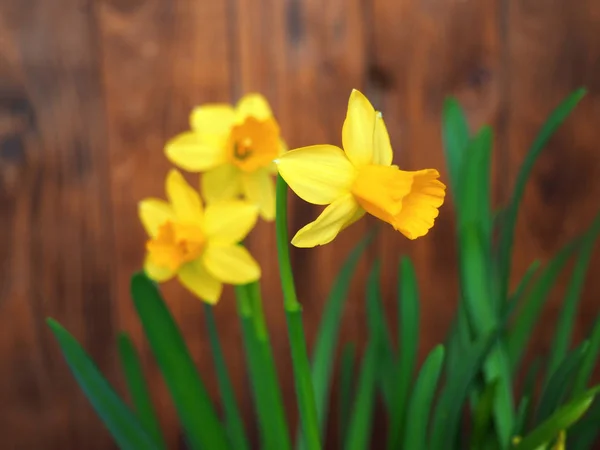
pixel 91 90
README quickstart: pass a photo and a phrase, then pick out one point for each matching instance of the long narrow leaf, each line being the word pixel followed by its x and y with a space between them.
pixel 585 432
pixel 589 361
pixel 138 389
pixel 555 119
pixel 359 431
pixel 346 390
pixel 233 419
pixel 455 132
pixel 124 427
pixel 483 416
pixel 419 407
pixel 522 288
pixel 328 334
pixel 566 319
pixel 194 406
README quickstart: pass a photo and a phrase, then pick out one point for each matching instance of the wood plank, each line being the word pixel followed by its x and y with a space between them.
pixel 56 240
pixel 160 59
pixel 554 48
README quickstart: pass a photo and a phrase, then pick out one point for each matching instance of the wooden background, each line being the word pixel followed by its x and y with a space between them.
pixel 90 91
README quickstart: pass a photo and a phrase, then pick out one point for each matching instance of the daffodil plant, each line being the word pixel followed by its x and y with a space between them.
pixel 461 397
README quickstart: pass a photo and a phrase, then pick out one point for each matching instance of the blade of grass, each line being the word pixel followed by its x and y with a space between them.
pixel 589 361
pixel 533 303
pixel 263 378
pixel 359 430
pixel 138 389
pixel 194 406
pixel 233 419
pixel 559 383
pixel 346 390
pixel 556 118
pixel 122 423
pixel 455 133
pixel 378 326
pixel 293 310
pixel 408 343
pixel 448 411
pixel 328 334
pixel 419 406
pixel 566 319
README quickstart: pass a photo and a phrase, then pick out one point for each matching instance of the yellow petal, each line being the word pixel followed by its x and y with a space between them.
pixel 221 183
pixel 229 221
pixel 184 199
pixel 231 264
pixel 259 188
pixel 318 174
pixel 382 149
pixel 253 105
pixel 358 129
pixel 196 278
pixel 157 273
pixel 191 153
pixel 420 206
pixel 153 213
pixel 332 220
pixel 212 120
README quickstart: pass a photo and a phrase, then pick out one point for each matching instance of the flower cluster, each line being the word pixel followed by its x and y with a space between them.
pixel 238 149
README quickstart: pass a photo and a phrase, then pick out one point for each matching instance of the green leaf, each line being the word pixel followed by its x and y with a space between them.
pixel 359 431
pixel 455 133
pixel 419 406
pixel 194 407
pixel 528 395
pixel 589 360
pixel 233 419
pixel 523 411
pixel 378 326
pixel 124 427
pixel 522 288
pixel 346 389
pixel 446 419
pixel 566 319
pixel 584 433
pixel 482 420
pixel 559 383
pixel 138 390
pixel 533 303
pixel 560 420
pixel 408 343
pixel 555 119
pixel 328 334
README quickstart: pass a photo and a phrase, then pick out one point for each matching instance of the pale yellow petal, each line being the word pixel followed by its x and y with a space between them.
pixel 231 264
pixel 253 105
pixel 212 120
pixel 189 152
pixel 196 278
pixel 259 188
pixel 382 148
pixel 229 221
pixel 318 174
pixel 153 213
pixel 184 199
pixel 221 183
pixel 420 205
pixel 331 221
pixel 358 129
pixel 157 273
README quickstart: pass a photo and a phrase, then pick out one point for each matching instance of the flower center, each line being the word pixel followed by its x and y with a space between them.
pixel 175 244
pixel 380 190
pixel 254 143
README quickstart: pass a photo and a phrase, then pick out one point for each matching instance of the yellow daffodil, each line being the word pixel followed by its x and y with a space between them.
pixel 359 179
pixel 198 245
pixel 235 148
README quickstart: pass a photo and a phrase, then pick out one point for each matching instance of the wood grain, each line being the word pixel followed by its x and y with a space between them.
pixel 91 90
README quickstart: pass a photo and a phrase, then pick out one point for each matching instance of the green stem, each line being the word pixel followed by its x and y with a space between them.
pixel 293 310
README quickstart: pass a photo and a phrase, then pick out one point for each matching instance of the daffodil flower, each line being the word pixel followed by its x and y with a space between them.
pixel 196 244
pixel 234 147
pixel 360 178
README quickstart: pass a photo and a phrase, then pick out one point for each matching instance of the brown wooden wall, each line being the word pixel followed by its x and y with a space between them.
pixel 90 90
